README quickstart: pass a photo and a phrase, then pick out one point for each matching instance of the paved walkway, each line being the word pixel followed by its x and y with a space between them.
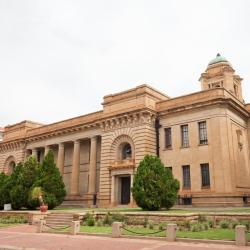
pixel 25 236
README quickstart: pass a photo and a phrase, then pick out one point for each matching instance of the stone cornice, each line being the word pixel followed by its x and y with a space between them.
pixel 219 101
pixel 201 99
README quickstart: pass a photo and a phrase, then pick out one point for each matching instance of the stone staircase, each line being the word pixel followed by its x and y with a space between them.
pixel 73 204
pixel 59 219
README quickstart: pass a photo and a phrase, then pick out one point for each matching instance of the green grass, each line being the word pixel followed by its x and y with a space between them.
pixel 211 234
pixel 100 230
pixel 170 211
pixel 7 225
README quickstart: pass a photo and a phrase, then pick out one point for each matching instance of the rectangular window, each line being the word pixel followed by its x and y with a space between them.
pixel 203 132
pixel 168 138
pixel 184 136
pixel 186 177
pixel 205 176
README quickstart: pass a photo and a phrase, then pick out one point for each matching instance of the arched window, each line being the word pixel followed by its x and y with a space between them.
pixel 126 151
pixel 9 165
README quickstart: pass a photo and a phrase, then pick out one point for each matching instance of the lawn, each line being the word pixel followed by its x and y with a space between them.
pixel 7 225
pixel 170 211
pixel 211 234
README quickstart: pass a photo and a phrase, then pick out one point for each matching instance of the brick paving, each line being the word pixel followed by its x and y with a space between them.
pixel 25 236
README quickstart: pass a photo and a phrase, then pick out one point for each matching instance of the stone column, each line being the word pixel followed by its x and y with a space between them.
pixel 34 152
pixel 92 166
pixel 75 169
pixel 112 190
pixel 60 158
pixel 46 150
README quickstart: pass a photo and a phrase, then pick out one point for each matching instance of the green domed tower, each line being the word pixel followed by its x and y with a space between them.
pixel 220 74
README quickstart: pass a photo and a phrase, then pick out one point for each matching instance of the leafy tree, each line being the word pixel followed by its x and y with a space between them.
pixel 51 182
pixel 4 190
pixel 21 181
pixel 154 186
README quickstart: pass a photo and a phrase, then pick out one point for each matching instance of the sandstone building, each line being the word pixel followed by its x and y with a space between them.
pixel 203 137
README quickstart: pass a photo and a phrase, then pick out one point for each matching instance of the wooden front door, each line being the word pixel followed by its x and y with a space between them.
pixel 125 190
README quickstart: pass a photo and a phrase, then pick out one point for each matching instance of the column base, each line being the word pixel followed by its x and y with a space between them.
pixel 90 200
pixel 73 197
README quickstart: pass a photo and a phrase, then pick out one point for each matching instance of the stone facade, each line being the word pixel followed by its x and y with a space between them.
pixel 203 137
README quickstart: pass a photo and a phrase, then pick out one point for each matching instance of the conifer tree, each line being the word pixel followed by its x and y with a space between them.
pixel 154 186
pixel 51 182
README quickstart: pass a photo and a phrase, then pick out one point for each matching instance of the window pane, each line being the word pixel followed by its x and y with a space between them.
pixel 186 176
pixel 168 138
pixel 184 136
pixel 203 132
pixel 205 176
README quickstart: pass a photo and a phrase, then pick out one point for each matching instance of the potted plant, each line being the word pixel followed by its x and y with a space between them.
pixel 37 193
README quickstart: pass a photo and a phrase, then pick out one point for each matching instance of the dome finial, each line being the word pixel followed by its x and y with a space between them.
pixel 218 54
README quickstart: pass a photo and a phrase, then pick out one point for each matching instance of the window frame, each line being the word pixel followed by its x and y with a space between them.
pixel 203 138
pixel 184 136
pixel 205 176
pixel 186 179
pixel 169 136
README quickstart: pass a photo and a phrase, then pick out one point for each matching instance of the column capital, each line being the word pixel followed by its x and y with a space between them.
pixel 61 144
pixel 77 141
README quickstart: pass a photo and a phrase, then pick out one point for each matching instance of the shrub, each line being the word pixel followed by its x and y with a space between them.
pixel 99 223
pixel 90 221
pixel 145 222
pixel 162 226
pixel 151 224
pixel 201 218
pixel 195 227
pixel 187 225
pixel 244 223
pixel 154 186
pixel 107 219
pixel 211 223
pixel 234 224
pixel 118 217
pixel 224 224
pixel 13 219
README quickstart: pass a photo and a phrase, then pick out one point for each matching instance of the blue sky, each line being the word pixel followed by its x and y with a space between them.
pixel 59 58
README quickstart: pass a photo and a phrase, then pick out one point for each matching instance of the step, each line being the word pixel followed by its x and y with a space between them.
pixel 57 223
pixel 60 216
pixel 58 219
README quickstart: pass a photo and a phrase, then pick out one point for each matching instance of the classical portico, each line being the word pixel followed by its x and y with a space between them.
pixel 77 161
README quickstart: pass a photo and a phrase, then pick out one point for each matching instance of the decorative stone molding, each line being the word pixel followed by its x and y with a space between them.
pixel 10 146
pixel 123 164
pixel 128 120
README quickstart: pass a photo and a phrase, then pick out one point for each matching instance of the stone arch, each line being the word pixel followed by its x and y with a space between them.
pixel 118 145
pixel 9 165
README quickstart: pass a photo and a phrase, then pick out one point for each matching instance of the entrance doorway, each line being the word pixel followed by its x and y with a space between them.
pixel 125 190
